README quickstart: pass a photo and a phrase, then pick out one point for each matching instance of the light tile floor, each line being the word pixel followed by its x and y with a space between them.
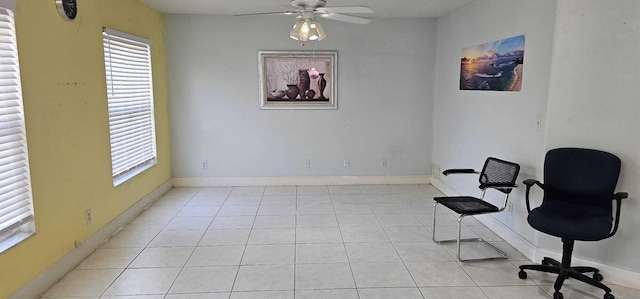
pixel 367 241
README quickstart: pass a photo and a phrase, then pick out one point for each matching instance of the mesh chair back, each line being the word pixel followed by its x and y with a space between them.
pixel 580 175
pixel 499 171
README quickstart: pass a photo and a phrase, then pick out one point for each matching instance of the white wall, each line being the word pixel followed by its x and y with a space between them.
pixel 590 100
pixel 594 102
pixel 472 125
pixel 385 99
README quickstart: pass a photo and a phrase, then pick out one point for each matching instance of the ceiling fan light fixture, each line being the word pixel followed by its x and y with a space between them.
pixel 321 34
pixel 306 12
pixel 306 30
pixel 313 31
pixel 306 27
pixel 296 32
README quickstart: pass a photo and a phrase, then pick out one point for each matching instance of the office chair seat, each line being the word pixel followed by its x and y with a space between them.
pixel 571 221
pixel 467 205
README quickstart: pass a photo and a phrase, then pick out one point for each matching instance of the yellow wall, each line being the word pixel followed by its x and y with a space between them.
pixel 63 84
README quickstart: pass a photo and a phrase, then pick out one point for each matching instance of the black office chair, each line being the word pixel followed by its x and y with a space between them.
pixel 496 174
pixel 577 205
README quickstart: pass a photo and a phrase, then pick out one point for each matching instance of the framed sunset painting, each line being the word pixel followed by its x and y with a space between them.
pixel 493 66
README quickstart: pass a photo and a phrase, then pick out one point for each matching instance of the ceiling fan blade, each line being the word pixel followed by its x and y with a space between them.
pixel 346 9
pixel 266 13
pixel 346 18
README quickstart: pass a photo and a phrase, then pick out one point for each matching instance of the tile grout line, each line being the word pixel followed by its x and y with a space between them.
pixel 147 244
pixel 396 249
pixel 344 246
pixel 295 244
pixel 201 237
pixel 235 279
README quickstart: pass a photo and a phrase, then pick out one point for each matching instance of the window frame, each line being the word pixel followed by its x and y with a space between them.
pixel 116 41
pixel 16 198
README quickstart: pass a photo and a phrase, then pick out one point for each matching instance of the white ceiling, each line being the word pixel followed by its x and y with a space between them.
pixel 383 8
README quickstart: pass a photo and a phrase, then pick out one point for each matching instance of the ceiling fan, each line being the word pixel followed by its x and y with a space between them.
pixel 307 28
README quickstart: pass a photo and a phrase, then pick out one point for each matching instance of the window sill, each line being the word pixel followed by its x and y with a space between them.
pixel 13 241
pixel 130 174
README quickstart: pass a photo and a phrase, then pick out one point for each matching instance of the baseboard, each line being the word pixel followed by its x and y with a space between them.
pixel 39 285
pixel 302 180
pixel 612 274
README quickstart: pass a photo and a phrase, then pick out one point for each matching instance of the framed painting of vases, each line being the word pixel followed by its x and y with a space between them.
pixel 298 79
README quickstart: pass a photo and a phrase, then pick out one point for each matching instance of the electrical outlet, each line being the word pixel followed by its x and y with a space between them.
pixel 307 163
pixel 87 215
pixel 205 164
pixel 383 163
pixel 347 163
pixel 538 123
pixel 436 171
pixel 510 208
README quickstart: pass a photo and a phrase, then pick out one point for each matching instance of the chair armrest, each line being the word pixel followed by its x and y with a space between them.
pixel 452 171
pixel 530 183
pixel 618 197
pixel 502 187
pixel 498 185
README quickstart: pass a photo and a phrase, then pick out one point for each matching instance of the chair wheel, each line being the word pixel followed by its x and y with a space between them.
pixel 522 274
pixel 545 262
pixel 609 296
pixel 597 276
pixel 558 295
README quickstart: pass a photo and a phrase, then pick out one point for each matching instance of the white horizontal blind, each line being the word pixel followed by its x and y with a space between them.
pixel 16 206
pixel 127 62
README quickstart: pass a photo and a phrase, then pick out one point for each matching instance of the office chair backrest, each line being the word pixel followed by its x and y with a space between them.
pixel 499 171
pixel 580 175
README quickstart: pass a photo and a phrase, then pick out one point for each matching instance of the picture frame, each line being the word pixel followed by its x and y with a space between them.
pixel 493 66
pixel 286 79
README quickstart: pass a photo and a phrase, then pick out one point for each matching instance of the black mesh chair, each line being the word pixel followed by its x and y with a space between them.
pixel 496 174
pixel 577 205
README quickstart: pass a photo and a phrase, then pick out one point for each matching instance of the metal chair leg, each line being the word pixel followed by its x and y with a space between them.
pixel 459 240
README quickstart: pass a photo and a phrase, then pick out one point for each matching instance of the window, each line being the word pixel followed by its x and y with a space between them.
pixel 16 206
pixel 127 61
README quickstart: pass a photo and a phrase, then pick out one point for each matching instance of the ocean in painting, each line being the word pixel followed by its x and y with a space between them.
pixel 493 66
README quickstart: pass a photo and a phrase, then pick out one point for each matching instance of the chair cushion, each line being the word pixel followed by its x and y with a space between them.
pixel 466 205
pixel 571 220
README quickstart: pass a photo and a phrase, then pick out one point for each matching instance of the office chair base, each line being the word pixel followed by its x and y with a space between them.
pixel 550 265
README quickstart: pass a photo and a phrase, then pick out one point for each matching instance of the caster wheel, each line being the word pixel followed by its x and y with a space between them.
pixel 597 277
pixel 545 262
pixel 609 296
pixel 522 274
pixel 558 295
